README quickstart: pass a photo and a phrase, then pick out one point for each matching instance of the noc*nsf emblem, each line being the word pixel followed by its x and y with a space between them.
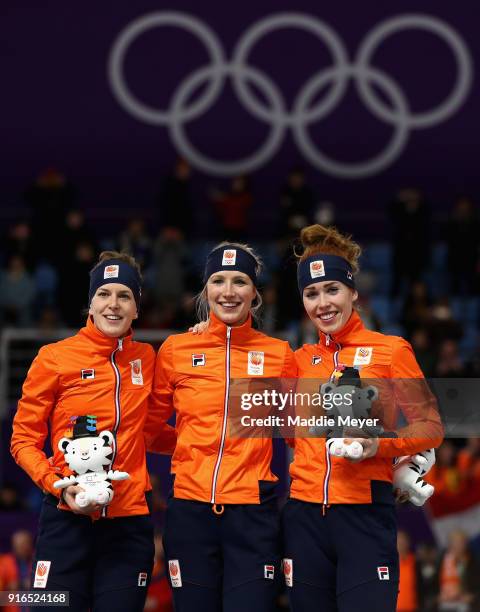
pixel 255 363
pixel 136 371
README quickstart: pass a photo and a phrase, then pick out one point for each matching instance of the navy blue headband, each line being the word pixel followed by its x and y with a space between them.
pixel 230 258
pixel 115 271
pixel 320 268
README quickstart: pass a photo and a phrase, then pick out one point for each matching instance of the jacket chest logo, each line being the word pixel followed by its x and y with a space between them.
pixel 363 355
pixel 256 360
pixel 198 359
pixel 316 359
pixel 136 372
pixel 87 373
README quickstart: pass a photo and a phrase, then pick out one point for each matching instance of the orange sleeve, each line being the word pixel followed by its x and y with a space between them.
pixel 30 425
pixel 290 368
pixel 160 437
pixel 424 428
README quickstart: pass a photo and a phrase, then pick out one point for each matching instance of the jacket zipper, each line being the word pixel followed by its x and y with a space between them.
pixel 118 381
pixel 225 415
pixel 326 479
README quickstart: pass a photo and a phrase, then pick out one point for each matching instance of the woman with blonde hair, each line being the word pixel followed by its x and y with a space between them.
pixel 222 540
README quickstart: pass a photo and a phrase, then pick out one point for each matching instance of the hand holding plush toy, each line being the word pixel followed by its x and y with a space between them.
pixel 89 456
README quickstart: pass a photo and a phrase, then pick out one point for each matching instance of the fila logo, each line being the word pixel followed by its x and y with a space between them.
pixel 111 271
pixel 269 572
pixel 316 359
pixel 41 574
pixel 288 571
pixel 142 579
pixel 383 573
pixel 136 371
pixel 317 268
pixel 175 573
pixel 363 355
pixel 198 359
pixel 229 257
pixel 88 373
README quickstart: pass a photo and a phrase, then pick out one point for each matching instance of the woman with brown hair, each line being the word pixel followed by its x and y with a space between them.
pixel 339 524
pixel 90 393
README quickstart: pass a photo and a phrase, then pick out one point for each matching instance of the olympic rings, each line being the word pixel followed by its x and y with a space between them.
pixel 274 111
pixel 266 151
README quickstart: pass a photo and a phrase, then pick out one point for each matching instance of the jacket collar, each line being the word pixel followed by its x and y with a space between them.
pixel 237 333
pixel 353 326
pixel 103 344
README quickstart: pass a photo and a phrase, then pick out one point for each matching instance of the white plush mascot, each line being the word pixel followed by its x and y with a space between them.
pixel 89 456
pixel 408 476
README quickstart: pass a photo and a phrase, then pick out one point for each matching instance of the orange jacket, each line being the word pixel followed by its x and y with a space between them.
pixel 193 375
pixel 321 478
pixel 89 374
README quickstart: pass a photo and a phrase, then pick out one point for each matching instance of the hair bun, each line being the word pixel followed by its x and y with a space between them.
pixel 318 239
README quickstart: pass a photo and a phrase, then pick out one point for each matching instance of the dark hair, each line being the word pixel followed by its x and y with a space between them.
pixel 125 257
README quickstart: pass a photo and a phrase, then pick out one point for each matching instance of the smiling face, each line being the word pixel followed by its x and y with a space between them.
pixel 230 295
pixel 113 309
pixel 329 305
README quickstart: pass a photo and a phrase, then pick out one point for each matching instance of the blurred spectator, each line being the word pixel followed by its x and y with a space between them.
pixel 459 577
pixel 407 596
pixel 48 320
pixel 17 293
pixel 73 285
pixel 369 318
pixel 427 577
pixel 50 197
pixel 463 239
pixel 410 218
pixel 289 306
pixel 159 597
pixel 449 364
pixel 232 208
pixel 268 312
pixel 416 308
pixel 296 204
pixel 456 483
pixel 75 232
pixel 424 353
pixel 170 255
pixel 324 213
pixel 9 498
pixel 135 241
pixel 19 242
pixel 175 199
pixel 469 461
pixel 20 558
pixel 445 475
pixel 442 325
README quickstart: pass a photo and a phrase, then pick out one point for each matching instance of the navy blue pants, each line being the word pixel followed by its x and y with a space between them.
pixel 342 560
pixel 223 563
pixel 105 565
